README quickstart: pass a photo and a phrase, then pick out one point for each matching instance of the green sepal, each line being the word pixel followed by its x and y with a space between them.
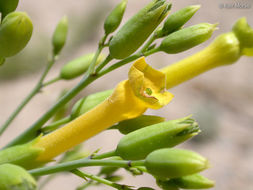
pixel 187 38
pixel 13 177
pixel 138 144
pixel 15 32
pixel 60 35
pixel 113 20
pixel 174 163
pixel 130 125
pixel 195 181
pixel 176 20
pixel 137 29
pixel 78 66
pixel 22 155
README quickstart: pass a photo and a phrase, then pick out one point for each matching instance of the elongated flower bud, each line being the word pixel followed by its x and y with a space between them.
pixel 114 18
pixel 87 103
pixel 78 66
pixel 137 29
pixel 128 126
pixel 174 163
pixel 15 32
pixel 244 33
pixel 195 181
pixel 176 20
pixel 60 35
pixel 187 38
pixel 138 144
pixel 7 6
pixel 13 177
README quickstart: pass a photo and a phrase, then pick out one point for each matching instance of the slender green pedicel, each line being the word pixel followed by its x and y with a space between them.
pixel 138 144
pixel 113 20
pixel 15 32
pixel 60 35
pixel 187 38
pixel 137 29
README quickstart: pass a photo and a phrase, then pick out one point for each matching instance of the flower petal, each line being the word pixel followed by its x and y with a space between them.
pixel 148 84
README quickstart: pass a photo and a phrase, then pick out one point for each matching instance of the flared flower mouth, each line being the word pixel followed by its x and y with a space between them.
pixel 149 84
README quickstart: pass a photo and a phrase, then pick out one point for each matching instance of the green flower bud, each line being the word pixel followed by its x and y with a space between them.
pixel 78 66
pixel 14 177
pixel 89 102
pixel 15 32
pixel 137 29
pixel 114 18
pixel 244 33
pixel 195 181
pixel 167 185
pixel 21 154
pixel 187 38
pixel 174 163
pixel 7 6
pixel 138 144
pixel 60 35
pixel 131 125
pixel 176 20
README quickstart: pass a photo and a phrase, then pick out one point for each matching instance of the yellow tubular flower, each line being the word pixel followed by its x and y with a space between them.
pixel 224 50
pixel 144 89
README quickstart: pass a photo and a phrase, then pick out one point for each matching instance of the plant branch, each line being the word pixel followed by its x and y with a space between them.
pixel 68 166
pixel 34 91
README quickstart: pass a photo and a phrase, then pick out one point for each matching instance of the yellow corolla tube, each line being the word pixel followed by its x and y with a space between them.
pixel 224 50
pixel 144 89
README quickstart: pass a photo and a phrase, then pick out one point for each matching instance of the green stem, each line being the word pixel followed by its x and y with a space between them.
pixel 104 155
pixel 104 63
pixel 53 126
pixel 96 178
pixel 34 91
pixel 51 81
pixel 94 60
pixel 68 166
